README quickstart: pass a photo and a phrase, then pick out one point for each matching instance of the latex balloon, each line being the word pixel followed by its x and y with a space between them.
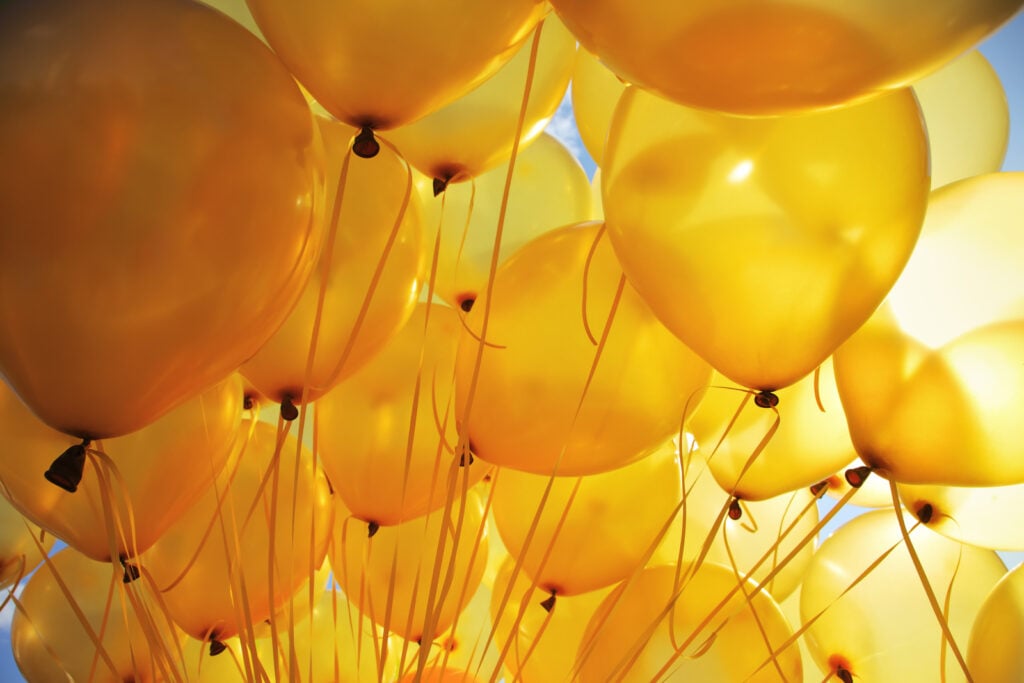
pixel 976 516
pixel 467 645
pixel 723 223
pixel 200 667
pixel 535 405
pixel 277 509
pixel 388 463
pixel 545 641
pixel 931 382
pixel 148 245
pixel 380 65
pixel 136 643
pixel 394 567
pixel 595 193
pixel 595 92
pixel 750 57
pixel 872 492
pixel 636 631
pixel 476 132
pixel 19 550
pixel 441 674
pixel 884 629
pixel 299 606
pixel 967 118
pixel 590 533
pixel 549 189
pixel 371 273
pixel 993 653
pixel 810 443
pixel 134 487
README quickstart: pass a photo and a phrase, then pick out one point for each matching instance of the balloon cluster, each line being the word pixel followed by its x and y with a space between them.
pixel 326 363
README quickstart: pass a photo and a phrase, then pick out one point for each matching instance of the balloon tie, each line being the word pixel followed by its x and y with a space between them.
pixel 735 511
pixel 131 571
pixel 856 476
pixel 766 399
pixel 440 185
pixel 844 675
pixel 549 604
pixel 818 490
pixel 216 646
pixel 371 529
pixel 925 512
pixel 466 304
pixel 289 411
pixel 365 145
pixel 67 470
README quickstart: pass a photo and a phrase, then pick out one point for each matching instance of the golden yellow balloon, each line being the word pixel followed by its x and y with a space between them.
pixel 757 57
pixel 549 189
pixel 371 275
pixel 972 515
pixel 22 545
pixel 591 533
pixel 382 64
pixel 764 243
pixel 160 214
pixel 595 92
pixel 931 383
pixel 134 487
pixel 386 463
pixel 994 654
pixel 476 132
pixel 883 629
pixel 638 633
pixel 967 118
pixel 534 404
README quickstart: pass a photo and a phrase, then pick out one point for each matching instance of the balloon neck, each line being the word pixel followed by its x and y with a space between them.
pixel 131 571
pixel 366 145
pixel 371 529
pixel 766 399
pixel 440 185
pixel 549 604
pixel 818 490
pixel 289 411
pixel 216 647
pixel 856 476
pixel 925 512
pixel 466 303
pixel 735 511
pixel 67 470
pixel 844 675
pixel 248 402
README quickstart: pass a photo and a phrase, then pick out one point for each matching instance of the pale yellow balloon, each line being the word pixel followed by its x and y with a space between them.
pixel 595 92
pixel 972 515
pixel 873 492
pixel 994 654
pixel 967 117
pixel 19 551
pixel 932 383
pixel 791 609
pixel 884 629
pixel 641 638
pixel 549 189
pixel 476 132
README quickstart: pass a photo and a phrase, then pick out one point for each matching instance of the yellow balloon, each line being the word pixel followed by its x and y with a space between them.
pixel 387 465
pixel 931 383
pixel 994 654
pixel 590 533
pixel 750 57
pixel 871 492
pixel 534 403
pixel 764 243
pixel 637 630
pixel 595 92
pixel 213 565
pixel 549 189
pixel 115 612
pixel 810 443
pixel 976 516
pixel 134 487
pixel 967 118
pixel 19 551
pixel 372 276
pixel 462 646
pixel 161 215
pixel 381 65
pixel 476 132
pixel 884 629
pixel 396 566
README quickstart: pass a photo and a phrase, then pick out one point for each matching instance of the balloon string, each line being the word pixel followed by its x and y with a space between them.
pixel 586 280
pixel 926 585
pixel 521 662
pixel 39 636
pixel 946 604
pixel 465 226
pixel 272 567
pixel 817 389
pixel 283 427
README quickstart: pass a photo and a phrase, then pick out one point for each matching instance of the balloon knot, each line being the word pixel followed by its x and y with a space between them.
pixel 440 185
pixel 371 529
pixel 131 571
pixel 67 470
pixel 818 490
pixel 288 409
pixel 365 145
pixel 549 603
pixel 466 304
pixel 248 402
pixel 844 675
pixel 766 399
pixel 856 476
pixel 735 511
pixel 925 512
pixel 216 647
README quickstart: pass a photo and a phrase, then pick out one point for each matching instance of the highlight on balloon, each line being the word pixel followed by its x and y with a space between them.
pixel 518 341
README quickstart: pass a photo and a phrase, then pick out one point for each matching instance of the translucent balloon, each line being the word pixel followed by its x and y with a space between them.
pixel 19 551
pixel 637 631
pixel 390 574
pixel 534 402
pixel 148 245
pixel 994 654
pixel 772 57
pixel 441 674
pixel 977 516
pixel 967 118
pixel 872 492
pixel 549 189
pixel 462 646
pixel 932 382
pixel 884 629
pixel 276 509
pixel 387 464
pixel 591 533
pixel 134 487
pixel 723 224
pixel 372 274
pixel 595 92
pixel 476 132
pixel 136 643
pixel 810 443
pixel 381 65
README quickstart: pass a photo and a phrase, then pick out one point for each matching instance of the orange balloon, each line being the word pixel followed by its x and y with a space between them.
pixel 133 487
pixel 19 552
pixel 441 674
pixel 160 214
